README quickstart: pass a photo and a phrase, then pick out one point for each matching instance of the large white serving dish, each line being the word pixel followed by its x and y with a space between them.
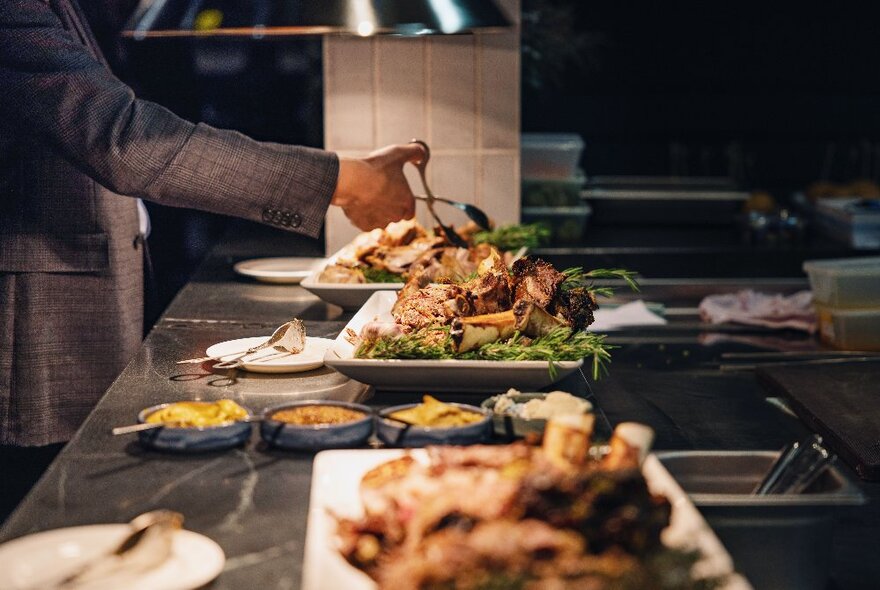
pixel 352 296
pixel 348 296
pixel 336 476
pixel 435 375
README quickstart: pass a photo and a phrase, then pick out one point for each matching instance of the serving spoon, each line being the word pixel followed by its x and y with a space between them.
pixel 132 428
pixel 474 213
pixel 147 545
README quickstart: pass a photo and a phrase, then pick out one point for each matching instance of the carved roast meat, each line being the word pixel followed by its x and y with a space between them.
pixel 496 303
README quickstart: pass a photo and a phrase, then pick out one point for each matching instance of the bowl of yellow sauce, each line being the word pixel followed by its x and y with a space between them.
pixel 192 426
pixel 433 422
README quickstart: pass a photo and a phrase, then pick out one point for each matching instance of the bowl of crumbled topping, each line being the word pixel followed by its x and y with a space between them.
pixel 317 424
pixel 518 414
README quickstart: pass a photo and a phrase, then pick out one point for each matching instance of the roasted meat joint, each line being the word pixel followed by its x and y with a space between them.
pixel 528 311
pixel 560 516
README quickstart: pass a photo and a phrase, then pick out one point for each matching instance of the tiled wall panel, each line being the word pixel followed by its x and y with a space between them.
pixel 348 94
pixel 401 97
pixel 460 94
pixel 453 93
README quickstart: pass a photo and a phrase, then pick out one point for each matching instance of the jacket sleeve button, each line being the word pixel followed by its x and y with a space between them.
pixel 296 220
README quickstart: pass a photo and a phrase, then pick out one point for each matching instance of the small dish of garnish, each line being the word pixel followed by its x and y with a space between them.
pixel 317 424
pixel 517 414
pixel 433 422
pixel 195 425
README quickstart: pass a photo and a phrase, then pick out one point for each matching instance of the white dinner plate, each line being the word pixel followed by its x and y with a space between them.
pixel 336 479
pixel 289 270
pixel 435 375
pixel 43 559
pixel 270 360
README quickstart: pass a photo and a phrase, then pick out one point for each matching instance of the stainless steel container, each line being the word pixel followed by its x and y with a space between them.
pixel 779 542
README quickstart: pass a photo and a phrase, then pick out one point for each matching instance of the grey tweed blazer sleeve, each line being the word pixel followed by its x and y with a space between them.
pixel 53 87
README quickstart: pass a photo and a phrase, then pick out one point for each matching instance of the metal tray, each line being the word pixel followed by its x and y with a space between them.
pixel 781 542
pixel 665 205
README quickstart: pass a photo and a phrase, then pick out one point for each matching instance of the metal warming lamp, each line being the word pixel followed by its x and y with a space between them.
pixel 284 18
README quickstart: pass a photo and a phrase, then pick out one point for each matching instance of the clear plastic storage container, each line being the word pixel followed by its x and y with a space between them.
pixel 849 329
pixel 553 192
pixel 550 155
pixel 845 282
pixel 566 224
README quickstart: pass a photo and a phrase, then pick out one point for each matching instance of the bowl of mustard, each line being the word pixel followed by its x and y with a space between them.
pixel 195 426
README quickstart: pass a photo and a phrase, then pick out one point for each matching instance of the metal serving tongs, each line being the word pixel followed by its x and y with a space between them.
pixel 796 468
pixel 474 213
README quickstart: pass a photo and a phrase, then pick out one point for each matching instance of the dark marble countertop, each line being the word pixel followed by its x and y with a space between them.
pixel 254 500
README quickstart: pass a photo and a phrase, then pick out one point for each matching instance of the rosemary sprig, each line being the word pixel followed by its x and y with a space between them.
pixel 559 345
pixel 428 343
pixel 380 275
pixel 576 277
pixel 514 237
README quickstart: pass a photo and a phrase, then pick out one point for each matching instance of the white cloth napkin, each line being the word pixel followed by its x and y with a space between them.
pixel 634 313
pixel 761 309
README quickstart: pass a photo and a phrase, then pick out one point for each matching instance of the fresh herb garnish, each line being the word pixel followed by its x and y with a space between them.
pixel 575 278
pixel 435 343
pixel 427 343
pixel 380 275
pixel 514 237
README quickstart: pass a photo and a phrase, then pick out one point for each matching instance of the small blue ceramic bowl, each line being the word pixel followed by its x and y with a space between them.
pixel 397 434
pixel 193 440
pixel 319 436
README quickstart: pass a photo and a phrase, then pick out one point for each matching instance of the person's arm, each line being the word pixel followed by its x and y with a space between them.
pixel 53 89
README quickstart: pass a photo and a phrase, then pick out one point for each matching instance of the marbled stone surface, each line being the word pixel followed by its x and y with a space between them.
pixel 254 501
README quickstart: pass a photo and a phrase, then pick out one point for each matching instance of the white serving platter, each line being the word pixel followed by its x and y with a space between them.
pixel 435 375
pixel 348 296
pixel 352 296
pixel 336 478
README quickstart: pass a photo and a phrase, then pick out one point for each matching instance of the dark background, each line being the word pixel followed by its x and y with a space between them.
pixel 660 89
pixel 772 97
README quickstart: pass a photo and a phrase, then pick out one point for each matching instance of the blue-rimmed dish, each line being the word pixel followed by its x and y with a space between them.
pixel 313 437
pixel 194 439
pixel 397 434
